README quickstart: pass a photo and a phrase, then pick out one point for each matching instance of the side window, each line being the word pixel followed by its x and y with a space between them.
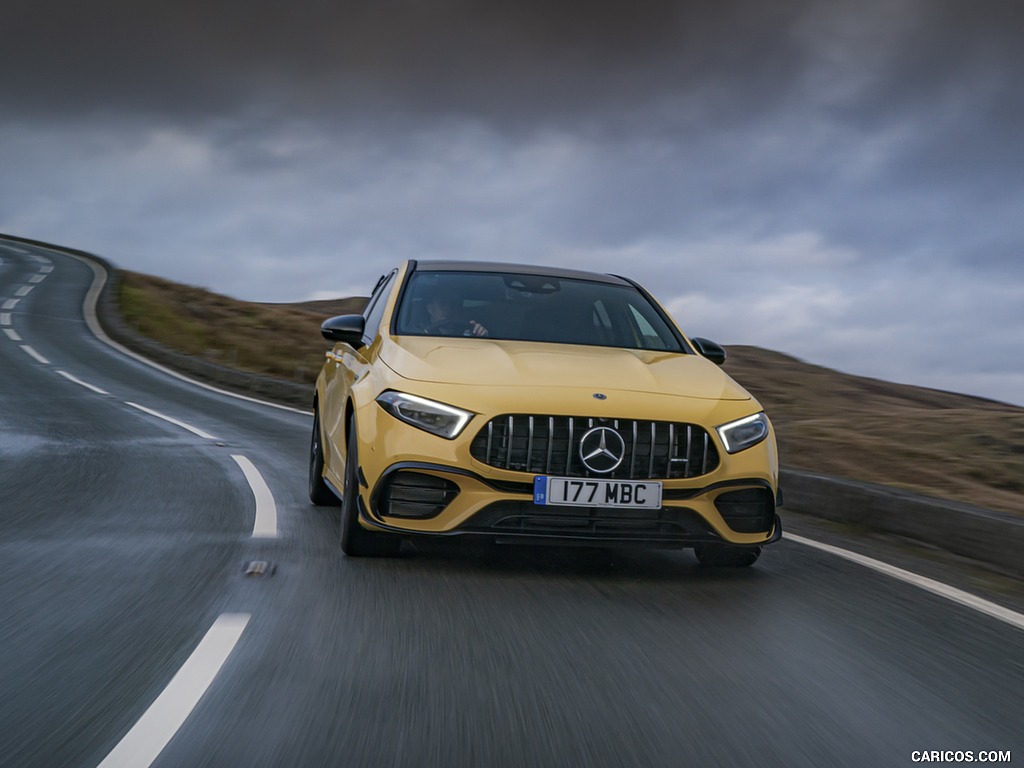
pixel 375 308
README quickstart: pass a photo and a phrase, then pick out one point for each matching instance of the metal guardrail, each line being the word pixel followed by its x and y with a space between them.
pixel 992 537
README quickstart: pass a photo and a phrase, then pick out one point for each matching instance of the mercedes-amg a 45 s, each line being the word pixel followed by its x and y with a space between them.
pixel 529 404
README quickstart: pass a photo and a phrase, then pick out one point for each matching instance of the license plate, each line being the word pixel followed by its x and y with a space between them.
pixel 589 492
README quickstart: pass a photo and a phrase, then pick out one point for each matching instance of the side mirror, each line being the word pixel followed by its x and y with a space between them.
pixel 345 328
pixel 709 349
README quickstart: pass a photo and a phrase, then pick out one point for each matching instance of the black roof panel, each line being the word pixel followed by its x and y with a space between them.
pixel 517 269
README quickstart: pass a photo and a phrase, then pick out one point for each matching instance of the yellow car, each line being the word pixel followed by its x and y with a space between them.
pixel 536 405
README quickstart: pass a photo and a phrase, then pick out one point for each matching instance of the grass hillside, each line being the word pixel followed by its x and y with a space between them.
pixel 938 443
pixel 280 340
pixel 924 440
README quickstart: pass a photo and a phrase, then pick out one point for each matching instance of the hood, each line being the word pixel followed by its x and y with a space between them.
pixel 484 363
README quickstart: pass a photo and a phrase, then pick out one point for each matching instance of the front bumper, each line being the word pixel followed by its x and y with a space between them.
pixel 416 483
pixel 425 498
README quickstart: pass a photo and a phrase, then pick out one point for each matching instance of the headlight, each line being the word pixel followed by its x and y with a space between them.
pixel 436 418
pixel 744 433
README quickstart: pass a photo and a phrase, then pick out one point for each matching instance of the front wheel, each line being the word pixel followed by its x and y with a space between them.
pixel 319 492
pixel 725 556
pixel 356 541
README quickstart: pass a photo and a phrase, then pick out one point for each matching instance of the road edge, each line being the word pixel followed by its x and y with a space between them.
pixel 268 390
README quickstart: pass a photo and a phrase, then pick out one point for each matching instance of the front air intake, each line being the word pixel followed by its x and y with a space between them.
pixel 415 495
pixel 751 510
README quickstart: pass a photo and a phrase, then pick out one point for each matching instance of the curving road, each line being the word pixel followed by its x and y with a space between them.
pixel 132 502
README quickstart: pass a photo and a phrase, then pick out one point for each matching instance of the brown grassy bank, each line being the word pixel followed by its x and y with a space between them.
pixel 924 440
pixel 274 339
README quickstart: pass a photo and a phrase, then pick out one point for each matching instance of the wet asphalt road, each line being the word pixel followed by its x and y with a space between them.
pixel 123 538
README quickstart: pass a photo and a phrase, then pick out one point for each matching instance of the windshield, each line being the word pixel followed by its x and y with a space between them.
pixel 532 308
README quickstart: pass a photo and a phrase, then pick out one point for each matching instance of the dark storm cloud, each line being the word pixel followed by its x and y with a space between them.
pixel 513 61
pixel 820 176
pixel 495 59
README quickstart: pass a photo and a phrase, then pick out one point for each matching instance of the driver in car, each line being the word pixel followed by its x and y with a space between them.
pixel 443 318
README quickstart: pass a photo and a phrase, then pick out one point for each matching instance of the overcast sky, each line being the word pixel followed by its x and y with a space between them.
pixel 841 181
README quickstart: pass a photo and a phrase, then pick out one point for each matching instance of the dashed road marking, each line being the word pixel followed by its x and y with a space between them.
pixel 141 746
pixel 32 353
pixel 143 743
pixel 176 422
pixel 85 384
pixel 265 526
pixel 25 290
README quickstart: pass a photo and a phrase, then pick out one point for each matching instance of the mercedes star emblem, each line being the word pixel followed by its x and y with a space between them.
pixel 602 449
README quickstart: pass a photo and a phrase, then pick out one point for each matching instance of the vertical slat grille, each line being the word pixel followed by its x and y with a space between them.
pixel 654 446
pixel 568 448
pixel 550 442
pixel 509 441
pixel 542 444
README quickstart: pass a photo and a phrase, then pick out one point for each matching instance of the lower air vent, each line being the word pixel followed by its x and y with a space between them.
pixel 415 495
pixel 748 511
pixel 670 525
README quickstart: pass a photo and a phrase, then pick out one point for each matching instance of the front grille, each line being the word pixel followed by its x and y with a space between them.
pixel 523 518
pixel 550 445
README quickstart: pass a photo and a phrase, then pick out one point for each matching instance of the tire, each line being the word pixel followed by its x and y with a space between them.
pixel 319 492
pixel 356 541
pixel 725 556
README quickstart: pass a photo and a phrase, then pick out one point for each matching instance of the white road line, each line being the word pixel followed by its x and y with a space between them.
pixel 25 290
pixel 85 384
pixel 5 318
pixel 11 303
pixel 37 278
pixel 12 334
pixel 266 510
pixel 46 270
pixel 32 353
pixel 953 594
pixel 182 424
pixel 141 746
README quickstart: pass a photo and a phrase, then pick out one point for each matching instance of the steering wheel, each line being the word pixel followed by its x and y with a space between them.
pixel 454 326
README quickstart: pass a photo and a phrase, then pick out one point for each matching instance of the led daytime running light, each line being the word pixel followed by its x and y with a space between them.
pixel 744 433
pixel 429 415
